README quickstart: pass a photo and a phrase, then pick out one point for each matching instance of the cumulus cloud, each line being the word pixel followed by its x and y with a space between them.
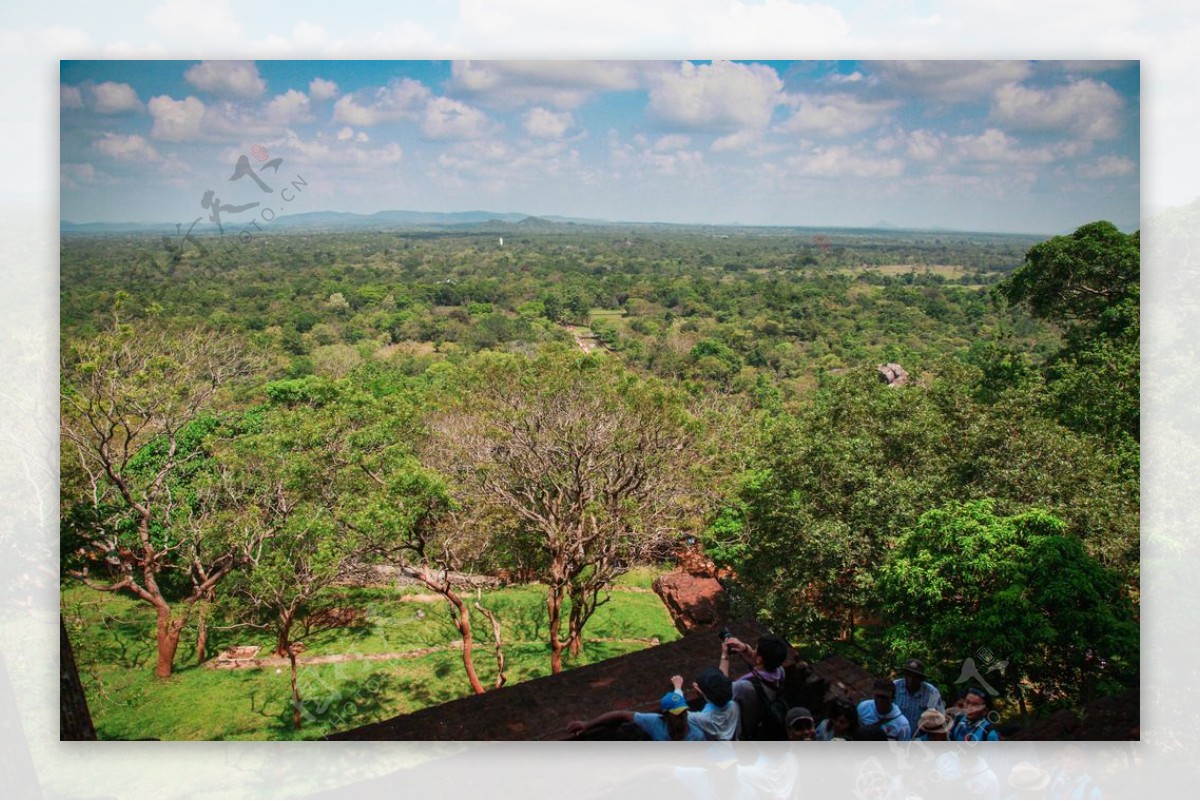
pixel 542 123
pixel 72 174
pixel 236 79
pixel 288 108
pixel 835 115
pixel 839 161
pixel 348 133
pixel 950 81
pixel 126 147
pixel 348 152
pixel 70 96
pixel 561 84
pixel 400 99
pixel 321 89
pixel 1108 167
pixel 665 144
pixel 115 98
pixel 176 120
pixel 1087 108
pixel 445 118
pixel 721 97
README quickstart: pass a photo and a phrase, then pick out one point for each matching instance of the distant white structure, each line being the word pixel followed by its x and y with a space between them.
pixel 501 241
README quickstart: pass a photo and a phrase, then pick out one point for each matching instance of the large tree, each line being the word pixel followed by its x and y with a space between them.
pixel 589 461
pixel 835 483
pixel 966 578
pixel 1089 283
pixel 135 490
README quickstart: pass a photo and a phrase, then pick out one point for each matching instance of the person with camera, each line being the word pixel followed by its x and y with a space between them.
pixel 758 692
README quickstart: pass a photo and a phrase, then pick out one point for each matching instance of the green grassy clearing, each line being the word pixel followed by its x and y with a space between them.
pixel 114 648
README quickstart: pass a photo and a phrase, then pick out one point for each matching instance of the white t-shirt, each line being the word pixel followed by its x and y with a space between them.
pixel 718 722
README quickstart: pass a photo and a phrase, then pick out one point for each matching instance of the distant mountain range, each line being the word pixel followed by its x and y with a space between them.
pixel 340 220
pixel 491 222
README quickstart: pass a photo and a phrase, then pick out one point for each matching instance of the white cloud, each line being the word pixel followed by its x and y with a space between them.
pixel 670 142
pixel 212 20
pixel 445 118
pixel 835 115
pixel 70 96
pixel 176 120
pixel 1087 108
pixel 839 161
pixel 288 108
pixel 542 123
pixel 115 98
pixel 723 97
pixel 337 151
pixel 562 84
pixel 994 147
pixel 1108 167
pixel 237 79
pixel 400 99
pixel 950 81
pixel 321 89
pixel 924 145
pixel 74 173
pixel 126 147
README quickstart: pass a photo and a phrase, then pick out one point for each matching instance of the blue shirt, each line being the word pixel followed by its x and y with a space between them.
pixel 893 722
pixel 913 705
pixel 965 730
pixel 656 728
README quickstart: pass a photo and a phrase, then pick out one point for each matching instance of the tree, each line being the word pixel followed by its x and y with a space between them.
pixel 134 421
pixel 1090 283
pixel 271 480
pixel 831 486
pixel 1078 277
pixel 590 457
pixel 352 448
pixel 966 578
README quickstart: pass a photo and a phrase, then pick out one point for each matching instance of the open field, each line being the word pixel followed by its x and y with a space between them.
pixel 114 647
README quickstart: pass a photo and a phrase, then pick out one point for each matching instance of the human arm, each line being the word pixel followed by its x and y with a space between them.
pixel 729 646
pixel 577 728
pixel 677 683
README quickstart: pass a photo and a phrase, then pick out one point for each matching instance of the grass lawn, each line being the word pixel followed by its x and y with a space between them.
pixel 114 647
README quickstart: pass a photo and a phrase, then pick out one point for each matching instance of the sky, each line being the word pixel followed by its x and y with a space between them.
pixel 1012 146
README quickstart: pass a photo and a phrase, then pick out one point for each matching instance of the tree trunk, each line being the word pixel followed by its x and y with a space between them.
pixel 296 707
pixel 500 677
pixel 462 621
pixel 202 636
pixel 283 645
pixel 167 633
pixel 464 626
pixel 554 607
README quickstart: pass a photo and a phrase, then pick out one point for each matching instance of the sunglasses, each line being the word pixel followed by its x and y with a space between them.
pixel 803 725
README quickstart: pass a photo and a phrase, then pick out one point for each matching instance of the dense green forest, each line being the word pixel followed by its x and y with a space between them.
pixel 244 423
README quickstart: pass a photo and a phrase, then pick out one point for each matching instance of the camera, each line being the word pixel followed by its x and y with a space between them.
pixel 724 634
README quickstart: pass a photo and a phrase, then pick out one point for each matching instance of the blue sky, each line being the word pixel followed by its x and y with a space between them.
pixel 981 145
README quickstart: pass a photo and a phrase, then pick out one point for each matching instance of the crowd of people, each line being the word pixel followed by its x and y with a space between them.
pixel 749 703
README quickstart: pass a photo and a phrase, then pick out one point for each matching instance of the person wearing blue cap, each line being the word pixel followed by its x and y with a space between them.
pixel 670 723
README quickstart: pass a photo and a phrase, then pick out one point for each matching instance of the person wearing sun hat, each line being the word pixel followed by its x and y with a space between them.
pixel 933 725
pixel 914 694
pixel 670 723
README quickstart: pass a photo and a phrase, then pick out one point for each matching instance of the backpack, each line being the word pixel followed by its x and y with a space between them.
pixel 772 723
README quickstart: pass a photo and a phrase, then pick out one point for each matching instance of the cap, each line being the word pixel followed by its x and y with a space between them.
pixel 914 666
pixel 716 686
pixel 674 703
pixel 797 713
